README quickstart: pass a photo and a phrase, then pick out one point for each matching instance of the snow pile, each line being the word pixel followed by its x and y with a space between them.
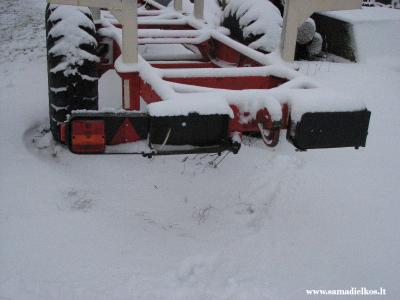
pixel 366 14
pixel 264 71
pixel 185 104
pixel 258 17
pixel 187 6
pixel 69 36
pixel 212 11
pixel 320 100
pixel 378 41
pixel 251 101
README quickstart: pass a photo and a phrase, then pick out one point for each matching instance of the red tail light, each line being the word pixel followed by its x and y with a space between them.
pixel 63 133
pixel 87 136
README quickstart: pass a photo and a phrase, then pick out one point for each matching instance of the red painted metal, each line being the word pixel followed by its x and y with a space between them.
pixel 205 49
pixel 185 65
pixel 214 55
pixel 285 116
pixel 162 26
pixel 147 92
pixel 230 55
pixel 236 124
pixel 166 26
pixel 225 53
pixel 263 119
pixel 269 129
pixel 232 83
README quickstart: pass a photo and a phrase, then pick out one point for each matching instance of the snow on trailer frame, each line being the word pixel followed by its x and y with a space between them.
pixel 176 105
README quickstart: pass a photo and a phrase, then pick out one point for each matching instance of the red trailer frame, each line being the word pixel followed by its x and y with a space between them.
pixel 221 64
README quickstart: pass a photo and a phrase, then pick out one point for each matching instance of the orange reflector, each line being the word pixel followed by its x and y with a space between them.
pixel 87 136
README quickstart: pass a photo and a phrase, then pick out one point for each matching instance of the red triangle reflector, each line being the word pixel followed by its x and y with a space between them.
pixel 126 133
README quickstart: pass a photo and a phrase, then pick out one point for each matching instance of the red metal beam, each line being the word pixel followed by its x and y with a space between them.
pixel 184 65
pixel 232 83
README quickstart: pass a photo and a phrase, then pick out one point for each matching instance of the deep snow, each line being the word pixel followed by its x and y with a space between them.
pixel 264 224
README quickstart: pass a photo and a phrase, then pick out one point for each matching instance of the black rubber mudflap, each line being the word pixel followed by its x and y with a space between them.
pixel 194 129
pixel 330 130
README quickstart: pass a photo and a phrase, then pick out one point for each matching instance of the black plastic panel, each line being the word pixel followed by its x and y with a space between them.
pixel 330 130
pixel 194 129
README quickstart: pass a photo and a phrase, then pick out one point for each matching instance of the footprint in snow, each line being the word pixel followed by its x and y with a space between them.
pixel 77 201
pixel 196 269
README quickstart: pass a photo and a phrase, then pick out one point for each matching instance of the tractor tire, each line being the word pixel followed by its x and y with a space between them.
pixel 232 23
pixel 251 27
pixel 71 63
pixel 280 4
pixel 307 34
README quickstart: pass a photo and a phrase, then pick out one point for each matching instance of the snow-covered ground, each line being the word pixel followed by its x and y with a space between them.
pixel 264 224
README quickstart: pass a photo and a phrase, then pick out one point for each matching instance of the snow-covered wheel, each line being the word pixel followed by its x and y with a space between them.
pixel 268 129
pixel 258 24
pixel 280 4
pixel 270 137
pixel 71 62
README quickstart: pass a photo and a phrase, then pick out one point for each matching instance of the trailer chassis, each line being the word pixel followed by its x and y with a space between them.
pixel 221 64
